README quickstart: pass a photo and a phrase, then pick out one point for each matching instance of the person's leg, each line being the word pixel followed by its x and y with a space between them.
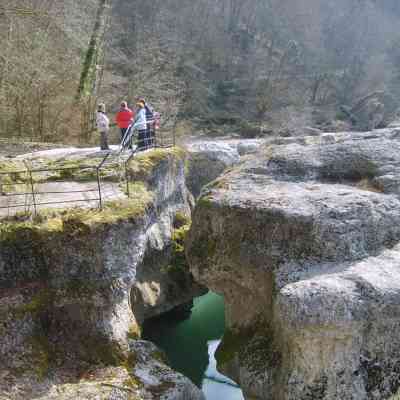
pixel 148 136
pixel 130 146
pixel 123 131
pixel 145 141
pixel 103 141
pixel 153 136
pixel 141 139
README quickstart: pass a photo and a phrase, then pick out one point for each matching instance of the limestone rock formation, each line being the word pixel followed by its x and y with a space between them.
pixel 67 278
pixel 144 376
pixel 303 242
pixel 207 161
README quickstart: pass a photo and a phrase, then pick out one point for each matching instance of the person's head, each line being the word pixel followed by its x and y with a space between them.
pixel 124 104
pixel 140 104
pixel 101 108
pixel 141 99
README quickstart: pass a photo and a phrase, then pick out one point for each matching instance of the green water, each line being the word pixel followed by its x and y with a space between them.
pixel 190 346
pixel 186 342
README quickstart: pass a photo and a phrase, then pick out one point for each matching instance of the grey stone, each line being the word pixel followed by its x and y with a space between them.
pixel 310 131
pixel 67 285
pixel 303 242
pixel 245 147
pixel 154 374
pixel 207 161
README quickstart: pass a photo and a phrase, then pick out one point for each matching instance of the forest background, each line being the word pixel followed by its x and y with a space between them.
pixel 217 67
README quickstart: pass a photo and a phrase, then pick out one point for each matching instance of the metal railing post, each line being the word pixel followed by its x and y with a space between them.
pixel 99 188
pixel 33 192
pixel 127 181
pixel 98 168
pixel 32 188
pixel 37 193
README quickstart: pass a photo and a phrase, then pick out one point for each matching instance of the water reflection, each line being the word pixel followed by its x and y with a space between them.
pixel 216 386
pixel 190 346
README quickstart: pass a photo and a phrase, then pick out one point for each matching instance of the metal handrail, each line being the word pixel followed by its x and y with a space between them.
pixel 30 183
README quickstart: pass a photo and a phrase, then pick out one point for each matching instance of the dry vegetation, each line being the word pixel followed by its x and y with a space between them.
pixel 255 66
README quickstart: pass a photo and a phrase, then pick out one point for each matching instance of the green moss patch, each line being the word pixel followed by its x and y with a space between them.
pixel 206 202
pixel 181 219
pixel 369 185
pixel 178 269
pixel 38 302
pixel 83 169
pixel 100 350
pixel 134 383
pixel 12 177
pixel 58 220
pixel 143 165
pixel 134 332
pixel 41 355
pixel 79 170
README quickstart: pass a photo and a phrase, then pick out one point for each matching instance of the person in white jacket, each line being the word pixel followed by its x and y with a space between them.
pixel 103 126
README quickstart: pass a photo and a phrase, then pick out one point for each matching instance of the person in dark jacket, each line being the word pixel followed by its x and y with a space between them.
pixel 124 118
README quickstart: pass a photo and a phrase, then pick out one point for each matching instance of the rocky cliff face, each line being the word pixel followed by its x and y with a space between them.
pixel 70 279
pixel 302 241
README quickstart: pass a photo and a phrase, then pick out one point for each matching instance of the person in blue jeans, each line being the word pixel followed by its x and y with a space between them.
pixel 149 123
pixel 140 125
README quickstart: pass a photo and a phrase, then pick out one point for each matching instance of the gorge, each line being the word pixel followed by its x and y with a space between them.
pixel 299 235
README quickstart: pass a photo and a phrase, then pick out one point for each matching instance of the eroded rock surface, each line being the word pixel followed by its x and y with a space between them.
pixel 67 280
pixel 303 242
pixel 144 376
pixel 207 161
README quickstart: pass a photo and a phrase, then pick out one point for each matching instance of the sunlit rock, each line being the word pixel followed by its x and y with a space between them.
pixel 303 242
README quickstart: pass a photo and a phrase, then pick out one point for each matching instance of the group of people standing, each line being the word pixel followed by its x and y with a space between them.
pixel 141 120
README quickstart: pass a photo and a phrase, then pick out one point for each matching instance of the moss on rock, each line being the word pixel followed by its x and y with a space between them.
pixel 57 220
pixel 40 354
pixel 134 332
pixel 181 219
pixel 84 168
pixel 37 304
pixel 100 350
pixel 143 165
pixel 178 269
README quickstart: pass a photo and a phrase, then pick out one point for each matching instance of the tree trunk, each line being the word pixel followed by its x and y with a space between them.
pixel 91 70
pixel 89 73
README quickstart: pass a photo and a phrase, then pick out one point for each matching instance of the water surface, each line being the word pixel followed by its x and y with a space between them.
pixel 190 346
